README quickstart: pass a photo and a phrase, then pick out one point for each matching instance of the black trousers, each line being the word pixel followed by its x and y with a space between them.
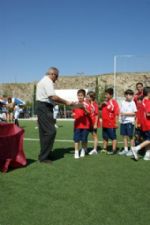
pixel 47 130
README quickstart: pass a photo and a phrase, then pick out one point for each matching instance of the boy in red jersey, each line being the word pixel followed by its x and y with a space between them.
pixel 94 119
pixel 145 122
pixel 138 122
pixel 138 97
pixel 110 113
pixel 81 123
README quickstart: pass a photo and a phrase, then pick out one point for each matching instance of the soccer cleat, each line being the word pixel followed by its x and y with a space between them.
pixel 134 151
pixel 147 155
pixel 113 152
pixel 93 152
pixel 82 154
pixel 104 151
pixel 76 155
pixel 124 152
pixel 129 153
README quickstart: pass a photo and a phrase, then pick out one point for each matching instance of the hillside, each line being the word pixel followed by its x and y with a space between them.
pixel 25 91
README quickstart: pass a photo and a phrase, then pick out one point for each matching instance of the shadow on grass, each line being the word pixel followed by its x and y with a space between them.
pixel 59 153
pixel 30 161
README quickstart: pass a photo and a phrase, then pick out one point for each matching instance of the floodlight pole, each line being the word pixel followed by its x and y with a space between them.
pixel 115 71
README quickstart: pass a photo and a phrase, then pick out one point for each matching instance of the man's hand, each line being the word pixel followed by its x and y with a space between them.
pixel 69 103
pixel 77 105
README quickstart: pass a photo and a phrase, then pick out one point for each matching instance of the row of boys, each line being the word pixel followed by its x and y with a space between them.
pixel 134 109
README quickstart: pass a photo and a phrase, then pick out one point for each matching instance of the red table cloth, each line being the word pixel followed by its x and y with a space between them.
pixel 11 147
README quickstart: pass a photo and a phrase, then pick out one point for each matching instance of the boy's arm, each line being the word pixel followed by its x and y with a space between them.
pixel 117 121
pixel 132 112
pixel 86 108
pixel 148 110
pixel 113 106
pixel 96 121
pixel 117 111
pixel 137 124
pixel 102 104
pixel 127 113
pixel 96 116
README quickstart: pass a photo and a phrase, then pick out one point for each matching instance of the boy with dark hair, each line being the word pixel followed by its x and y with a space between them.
pixel 81 123
pixel 145 123
pixel 127 111
pixel 110 112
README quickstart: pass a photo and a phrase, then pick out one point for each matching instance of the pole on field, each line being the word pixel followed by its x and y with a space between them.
pixel 115 70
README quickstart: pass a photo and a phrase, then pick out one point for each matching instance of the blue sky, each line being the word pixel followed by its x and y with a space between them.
pixel 77 36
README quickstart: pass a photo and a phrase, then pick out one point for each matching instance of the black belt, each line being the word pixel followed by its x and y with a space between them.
pixel 46 104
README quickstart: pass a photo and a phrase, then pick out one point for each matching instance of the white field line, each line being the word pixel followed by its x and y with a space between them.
pixel 62 140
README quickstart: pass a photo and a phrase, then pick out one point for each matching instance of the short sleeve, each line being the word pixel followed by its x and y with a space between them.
pixel 49 88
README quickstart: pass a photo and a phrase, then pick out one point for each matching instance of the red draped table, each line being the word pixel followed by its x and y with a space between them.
pixel 11 147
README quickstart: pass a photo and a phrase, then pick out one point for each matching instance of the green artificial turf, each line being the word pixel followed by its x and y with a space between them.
pixel 95 190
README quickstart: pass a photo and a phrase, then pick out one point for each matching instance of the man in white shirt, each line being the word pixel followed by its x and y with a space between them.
pixel 46 99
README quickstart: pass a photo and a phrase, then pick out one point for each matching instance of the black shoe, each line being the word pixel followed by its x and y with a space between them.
pixel 46 161
pixel 112 152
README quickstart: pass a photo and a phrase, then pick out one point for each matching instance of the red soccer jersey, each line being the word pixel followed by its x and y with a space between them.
pixel 139 115
pixel 94 113
pixel 145 120
pixel 138 104
pixel 82 119
pixel 110 111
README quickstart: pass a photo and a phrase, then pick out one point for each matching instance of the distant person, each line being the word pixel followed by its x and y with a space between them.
pixel 10 108
pixel 46 99
pixel 3 111
pixel 80 114
pixel 138 97
pixel 94 120
pixel 138 122
pixel 17 111
pixel 127 111
pixel 110 113
pixel 55 113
